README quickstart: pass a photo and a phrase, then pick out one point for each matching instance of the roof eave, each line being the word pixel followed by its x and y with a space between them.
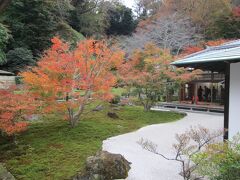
pixel 181 63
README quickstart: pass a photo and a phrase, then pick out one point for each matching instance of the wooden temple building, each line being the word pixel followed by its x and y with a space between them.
pixel 223 59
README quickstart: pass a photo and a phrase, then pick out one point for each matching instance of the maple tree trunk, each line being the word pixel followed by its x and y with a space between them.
pixel 74 121
pixel 13 139
pixel 74 118
pixel 179 95
pixel 147 107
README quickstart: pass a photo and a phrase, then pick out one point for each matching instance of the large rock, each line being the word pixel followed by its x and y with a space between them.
pixel 113 115
pixel 4 174
pixel 98 108
pixel 105 166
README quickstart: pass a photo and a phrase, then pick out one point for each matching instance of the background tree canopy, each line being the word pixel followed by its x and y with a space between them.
pixel 18 59
pixel 4 37
pixel 176 24
pixel 30 25
pixel 121 20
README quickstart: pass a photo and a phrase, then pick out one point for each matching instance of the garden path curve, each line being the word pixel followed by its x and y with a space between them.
pixel 148 166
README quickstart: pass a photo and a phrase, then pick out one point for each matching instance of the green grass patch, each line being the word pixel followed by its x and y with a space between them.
pixel 118 91
pixel 50 149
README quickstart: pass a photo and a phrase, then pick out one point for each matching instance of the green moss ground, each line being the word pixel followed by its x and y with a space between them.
pixel 50 149
pixel 118 91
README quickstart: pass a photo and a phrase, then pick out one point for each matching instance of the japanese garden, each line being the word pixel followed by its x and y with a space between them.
pixel 119 89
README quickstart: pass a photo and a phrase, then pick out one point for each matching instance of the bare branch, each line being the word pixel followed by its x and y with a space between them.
pixel 188 144
pixel 168 32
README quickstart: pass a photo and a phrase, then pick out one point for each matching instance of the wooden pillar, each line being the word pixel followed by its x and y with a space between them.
pixel 180 94
pixel 212 79
pixel 184 93
pixel 226 100
pixel 195 93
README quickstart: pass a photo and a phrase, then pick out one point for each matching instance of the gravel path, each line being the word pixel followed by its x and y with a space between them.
pixel 148 166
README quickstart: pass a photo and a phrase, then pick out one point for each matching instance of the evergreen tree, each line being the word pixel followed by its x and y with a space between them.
pixel 31 23
pixel 226 26
pixel 89 17
pixel 121 20
pixel 18 59
pixel 4 37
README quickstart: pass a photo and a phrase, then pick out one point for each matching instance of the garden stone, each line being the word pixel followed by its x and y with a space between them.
pixel 98 108
pixel 112 115
pixel 105 166
pixel 4 174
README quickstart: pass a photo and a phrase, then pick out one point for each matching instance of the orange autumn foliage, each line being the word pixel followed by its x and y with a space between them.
pixel 202 12
pixel 190 50
pixel 76 77
pixel 236 11
pixel 149 71
pixel 193 49
pixel 14 108
pixel 216 42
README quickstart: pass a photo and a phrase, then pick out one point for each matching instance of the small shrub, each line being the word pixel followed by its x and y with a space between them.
pixel 116 100
pixel 14 108
pixel 125 94
pixel 19 58
pixel 189 145
pixel 220 161
pixel 18 80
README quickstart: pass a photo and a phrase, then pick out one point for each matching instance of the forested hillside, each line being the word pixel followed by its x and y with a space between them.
pixel 175 24
pixel 26 27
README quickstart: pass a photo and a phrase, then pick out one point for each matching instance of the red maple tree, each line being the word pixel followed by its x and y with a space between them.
pixel 150 71
pixel 67 80
pixel 14 109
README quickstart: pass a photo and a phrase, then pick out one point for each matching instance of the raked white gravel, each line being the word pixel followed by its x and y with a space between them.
pixel 148 166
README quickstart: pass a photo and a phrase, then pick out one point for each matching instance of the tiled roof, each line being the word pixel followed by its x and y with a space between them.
pixel 227 52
